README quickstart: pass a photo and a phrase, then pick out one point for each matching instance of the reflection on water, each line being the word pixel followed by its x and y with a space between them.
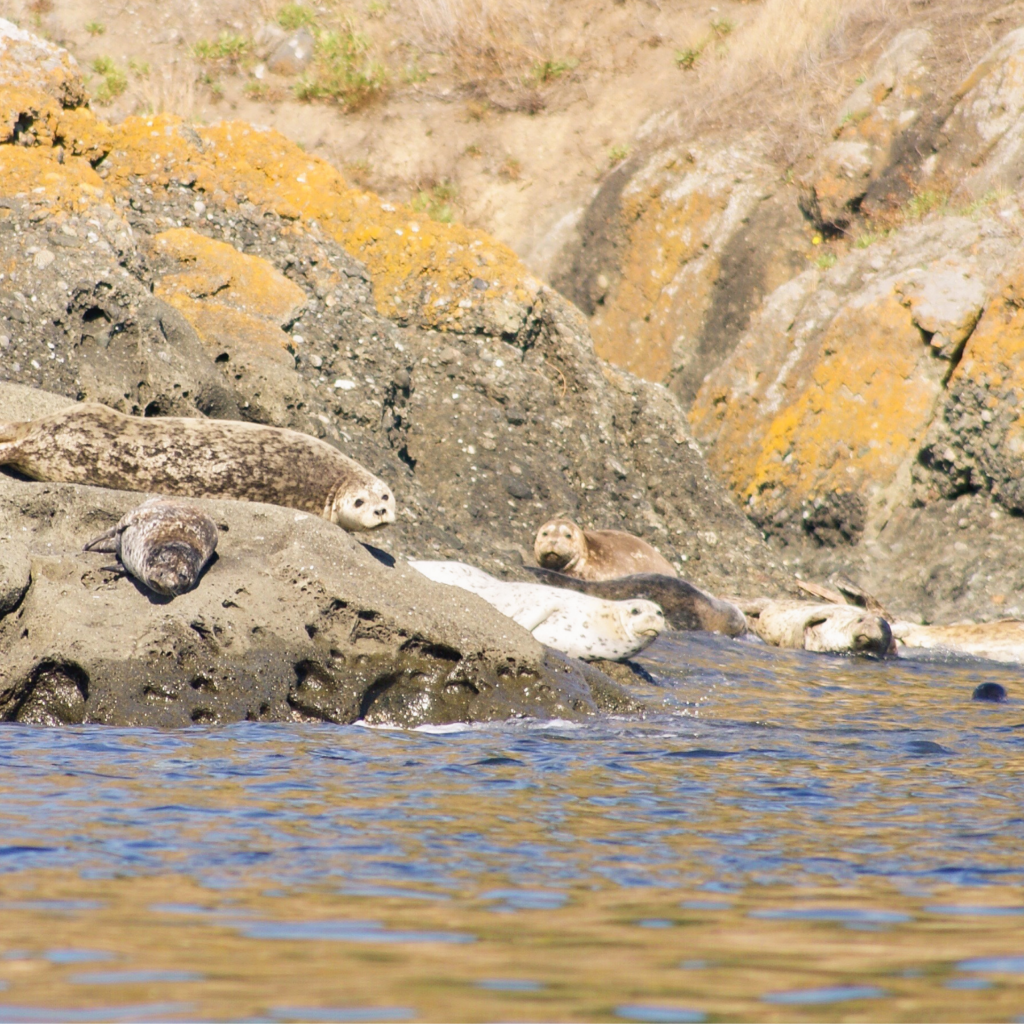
pixel 784 837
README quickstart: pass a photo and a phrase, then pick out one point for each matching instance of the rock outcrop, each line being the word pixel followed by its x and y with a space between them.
pixel 294 620
pixel 866 410
pixel 166 269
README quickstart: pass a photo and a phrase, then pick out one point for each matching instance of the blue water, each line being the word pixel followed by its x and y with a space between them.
pixel 782 830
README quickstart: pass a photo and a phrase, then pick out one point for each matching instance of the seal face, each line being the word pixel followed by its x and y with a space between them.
pixel 198 458
pixel 685 606
pixel 561 545
pixel 164 544
pixel 823 628
pixel 576 624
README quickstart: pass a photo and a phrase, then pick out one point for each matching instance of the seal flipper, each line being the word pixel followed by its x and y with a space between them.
pixel 106 541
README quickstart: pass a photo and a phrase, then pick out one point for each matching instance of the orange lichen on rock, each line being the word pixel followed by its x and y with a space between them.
pixel 993 358
pixel 653 306
pixel 442 275
pixel 29 62
pixel 236 303
pixel 211 268
pixel 38 175
pixel 841 414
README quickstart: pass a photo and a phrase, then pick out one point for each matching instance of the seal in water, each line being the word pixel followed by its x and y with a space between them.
pixel 994 692
pixel 197 458
pixel 595 554
pixel 685 606
pixel 823 628
pixel 577 624
pixel 162 543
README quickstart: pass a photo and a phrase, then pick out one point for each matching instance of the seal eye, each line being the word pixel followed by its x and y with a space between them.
pixel 384 497
pixel 359 503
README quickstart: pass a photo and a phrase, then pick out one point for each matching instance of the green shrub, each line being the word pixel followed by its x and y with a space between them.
pixel 113 79
pixel 342 71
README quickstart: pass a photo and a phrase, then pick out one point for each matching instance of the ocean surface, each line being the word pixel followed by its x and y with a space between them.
pixel 785 837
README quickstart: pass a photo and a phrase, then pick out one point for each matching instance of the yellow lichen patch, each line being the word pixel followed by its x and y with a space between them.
pixel 29 115
pixel 83 134
pixel 843 417
pixel 993 357
pixel 443 275
pixel 29 62
pixel 659 297
pixel 37 174
pixel 246 283
pixel 230 335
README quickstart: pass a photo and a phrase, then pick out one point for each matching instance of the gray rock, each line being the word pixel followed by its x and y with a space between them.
pixel 292 55
pixel 294 621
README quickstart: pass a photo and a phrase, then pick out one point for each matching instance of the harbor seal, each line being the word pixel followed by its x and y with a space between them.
pixel 1002 640
pixel 685 606
pixel 197 458
pixel 576 624
pixel 164 544
pixel 822 628
pixel 562 546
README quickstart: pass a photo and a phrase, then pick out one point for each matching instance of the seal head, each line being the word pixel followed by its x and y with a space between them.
pixel 164 544
pixel 359 508
pixel 641 620
pixel 560 545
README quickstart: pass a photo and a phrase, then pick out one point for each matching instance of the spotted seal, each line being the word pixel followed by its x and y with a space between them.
pixel 197 458
pixel 823 628
pixel 562 546
pixel 163 543
pixel 577 624
pixel 685 606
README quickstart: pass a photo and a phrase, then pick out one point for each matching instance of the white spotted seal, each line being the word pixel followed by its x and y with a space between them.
pixel 163 543
pixel 685 606
pixel 197 458
pixel 823 628
pixel 562 546
pixel 577 624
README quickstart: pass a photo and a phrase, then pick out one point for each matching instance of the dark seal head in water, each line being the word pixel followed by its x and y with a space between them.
pixel 198 458
pixel 163 543
pixel 685 606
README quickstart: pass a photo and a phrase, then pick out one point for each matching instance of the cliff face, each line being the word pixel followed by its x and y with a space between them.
pixel 845 330
pixel 167 269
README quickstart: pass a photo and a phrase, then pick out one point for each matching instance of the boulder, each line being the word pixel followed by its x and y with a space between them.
pixel 294 620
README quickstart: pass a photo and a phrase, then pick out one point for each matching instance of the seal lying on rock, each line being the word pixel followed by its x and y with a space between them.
pixel 823 628
pixel 997 641
pixel 562 546
pixel 685 606
pixel 576 624
pixel 164 544
pixel 197 458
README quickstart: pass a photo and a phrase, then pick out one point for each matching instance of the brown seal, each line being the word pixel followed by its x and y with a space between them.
pixel 163 543
pixel 197 458
pixel 595 554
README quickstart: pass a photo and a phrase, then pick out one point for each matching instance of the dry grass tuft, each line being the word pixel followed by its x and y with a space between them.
pixel 171 88
pixel 484 39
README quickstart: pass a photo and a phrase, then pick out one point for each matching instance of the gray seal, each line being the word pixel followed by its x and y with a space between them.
pixel 685 606
pixel 164 544
pixel 197 458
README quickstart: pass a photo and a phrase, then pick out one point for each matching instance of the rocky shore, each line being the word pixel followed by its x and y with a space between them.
pixel 167 269
pixel 842 323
